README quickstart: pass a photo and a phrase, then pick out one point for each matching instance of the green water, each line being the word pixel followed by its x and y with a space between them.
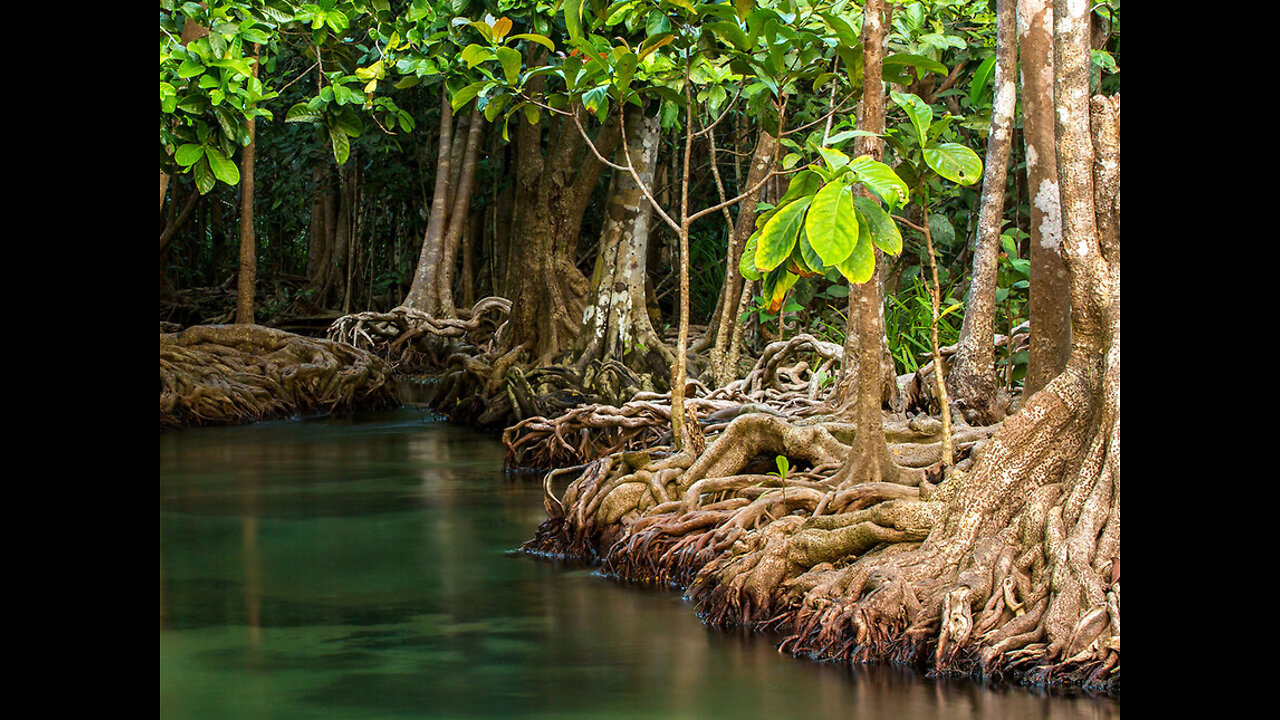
pixel 360 569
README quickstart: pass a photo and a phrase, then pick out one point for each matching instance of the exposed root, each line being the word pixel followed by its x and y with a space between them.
pixel 226 374
pixel 412 339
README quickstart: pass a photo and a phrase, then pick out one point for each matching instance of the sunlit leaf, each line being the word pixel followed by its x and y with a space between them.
pixel 831 225
pixel 954 162
pixel 778 236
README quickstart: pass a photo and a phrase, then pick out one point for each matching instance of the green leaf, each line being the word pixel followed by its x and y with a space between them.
pixel 920 114
pixel 778 236
pixel 474 54
pixel 573 18
pixel 189 154
pixel 341 145
pixel 222 166
pixel 881 180
pixel 203 176
pixel 954 162
pixel 510 59
pixel 834 158
pixel 303 113
pixel 808 255
pixel 831 225
pixel 884 231
pixel 190 68
pixel 861 263
pixel 747 263
pixel 775 287
pixel 657 23
pixel 917 61
pixel 981 79
pixel 542 40
pixel 467 94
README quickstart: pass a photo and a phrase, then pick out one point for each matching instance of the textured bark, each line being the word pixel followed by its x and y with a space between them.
pixel 459 217
pixel 616 324
pixel 1049 306
pixel 248 252
pixel 424 292
pixel 971 379
pixel 553 189
pixel 723 362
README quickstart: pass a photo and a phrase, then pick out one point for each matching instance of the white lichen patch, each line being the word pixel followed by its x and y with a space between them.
pixel 1049 201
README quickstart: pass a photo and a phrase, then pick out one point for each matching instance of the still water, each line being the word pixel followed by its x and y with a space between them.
pixel 361 569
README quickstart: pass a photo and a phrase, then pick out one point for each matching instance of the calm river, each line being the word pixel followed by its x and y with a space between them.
pixel 361 569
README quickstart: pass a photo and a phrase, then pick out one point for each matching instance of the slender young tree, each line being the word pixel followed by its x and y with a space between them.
pixel 971 380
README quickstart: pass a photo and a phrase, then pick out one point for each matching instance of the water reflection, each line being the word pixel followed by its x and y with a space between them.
pixel 334 568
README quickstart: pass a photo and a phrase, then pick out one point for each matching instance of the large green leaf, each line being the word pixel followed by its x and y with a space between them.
pixel 884 231
pixel 573 18
pixel 474 54
pixel 222 166
pixel 881 180
pixel 189 154
pixel 807 253
pixel 510 59
pixel 954 162
pixel 778 236
pixel 831 225
pixel 775 287
pixel 861 263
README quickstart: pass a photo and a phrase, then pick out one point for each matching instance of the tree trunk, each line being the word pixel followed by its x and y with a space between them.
pixel 424 293
pixel 1049 306
pixel 551 195
pixel 459 216
pixel 972 377
pixel 248 280
pixel 616 323
pixel 725 322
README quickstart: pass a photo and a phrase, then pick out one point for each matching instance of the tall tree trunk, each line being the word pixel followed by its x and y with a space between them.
pixel 725 322
pixel 616 323
pixel 423 293
pixel 551 195
pixel 1049 306
pixel 972 377
pixel 459 216
pixel 248 251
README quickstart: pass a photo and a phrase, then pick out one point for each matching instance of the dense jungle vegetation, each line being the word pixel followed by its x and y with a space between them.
pixel 810 307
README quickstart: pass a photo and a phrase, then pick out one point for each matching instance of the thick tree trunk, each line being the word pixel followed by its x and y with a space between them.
pixel 459 216
pixel 615 322
pixel 424 292
pixel 971 380
pixel 1049 305
pixel 552 193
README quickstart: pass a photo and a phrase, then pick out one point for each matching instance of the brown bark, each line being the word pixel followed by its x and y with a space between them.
pixel 423 293
pixel 248 252
pixel 1049 306
pixel 552 191
pixel 731 291
pixel 971 379
pixel 616 324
